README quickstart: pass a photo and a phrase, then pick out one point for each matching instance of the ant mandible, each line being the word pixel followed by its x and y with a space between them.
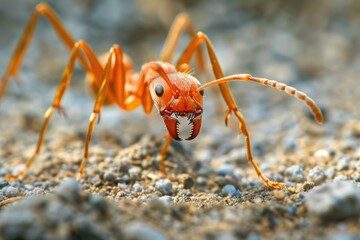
pixel 174 92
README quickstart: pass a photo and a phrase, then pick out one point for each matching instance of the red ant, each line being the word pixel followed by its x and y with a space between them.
pixel 175 93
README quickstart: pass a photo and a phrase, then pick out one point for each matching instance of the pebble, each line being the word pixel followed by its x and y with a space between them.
pixel 201 181
pixel 10 191
pixel 357 178
pixel 322 155
pixel 29 187
pixel 186 180
pixel 137 187
pixel 225 170
pixel 295 174
pixel 109 176
pixel 334 200
pixel 36 191
pixel 343 163
pixel 307 186
pixel 142 231
pixel 69 189
pixel 340 178
pixel 231 191
pixel 166 199
pixel 279 194
pixel 330 173
pixel 96 181
pixel 3 183
pixel 316 175
pixel 3 172
pixel 164 186
pixel 134 172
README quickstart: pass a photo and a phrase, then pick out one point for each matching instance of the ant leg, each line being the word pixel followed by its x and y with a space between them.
pixel 15 61
pixel 181 22
pixel 64 82
pixel 115 52
pixel 243 129
pixel 227 95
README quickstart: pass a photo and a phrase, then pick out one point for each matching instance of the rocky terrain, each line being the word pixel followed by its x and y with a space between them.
pixel 214 193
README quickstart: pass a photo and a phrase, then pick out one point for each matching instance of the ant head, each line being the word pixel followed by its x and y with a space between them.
pixel 179 103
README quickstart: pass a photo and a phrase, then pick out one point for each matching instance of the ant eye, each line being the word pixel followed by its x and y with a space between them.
pixel 159 90
pixel 201 91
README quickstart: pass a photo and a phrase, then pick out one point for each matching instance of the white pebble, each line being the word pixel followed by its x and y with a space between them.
pixel 295 174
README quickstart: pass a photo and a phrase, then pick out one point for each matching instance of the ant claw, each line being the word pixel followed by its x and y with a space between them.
pixel 227 116
pixel 62 111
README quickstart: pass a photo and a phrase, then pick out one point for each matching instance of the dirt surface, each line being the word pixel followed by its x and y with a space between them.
pixel 214 193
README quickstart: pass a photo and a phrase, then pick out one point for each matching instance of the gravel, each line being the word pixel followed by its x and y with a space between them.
pixel 213 193
pixel 295 174
pixel 10 191
pixel 334 201
pixel 316 175
pixel 164 186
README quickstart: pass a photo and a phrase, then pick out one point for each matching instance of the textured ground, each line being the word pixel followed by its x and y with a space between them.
pixel 215 193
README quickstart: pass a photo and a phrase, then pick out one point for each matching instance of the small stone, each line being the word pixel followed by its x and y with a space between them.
pixel 166 199
pixel 134 172
pixel 322 155
pixel 28 187
pixel 201 181
pixel 357 178
pixel 292 209
pixel 4 183
pixel 307 186
pixel 278 177
pixel 10 191
pixel 137 187
pixel 343 163
pixel 70 190
pixel 225 170
pixel 289 143
pixel 279 194
pixel 295 174
pixel 164 186
pixel 123 186
pixel 231 191
pixel 291 189
pixel 109 176
pixel 330 173
pixel 96 181
pixel 142 231
pixel 3 172
pixel 334 200
pixel 36 191
pixel 340 178
pixel 316 175
pixel 186 180
pixel 203 155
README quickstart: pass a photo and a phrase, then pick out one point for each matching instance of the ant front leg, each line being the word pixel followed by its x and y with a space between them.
pixel 227 95
pixel 41 9
pixel 56 104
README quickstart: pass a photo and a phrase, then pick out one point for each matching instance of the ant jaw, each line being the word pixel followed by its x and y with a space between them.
pixel 182 125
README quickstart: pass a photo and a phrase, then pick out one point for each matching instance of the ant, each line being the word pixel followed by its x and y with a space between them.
pixel 176 94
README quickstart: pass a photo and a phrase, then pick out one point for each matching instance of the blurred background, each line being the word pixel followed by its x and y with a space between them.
pixel 313 46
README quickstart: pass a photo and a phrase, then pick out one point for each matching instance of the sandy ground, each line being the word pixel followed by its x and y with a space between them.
pixel 215 193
